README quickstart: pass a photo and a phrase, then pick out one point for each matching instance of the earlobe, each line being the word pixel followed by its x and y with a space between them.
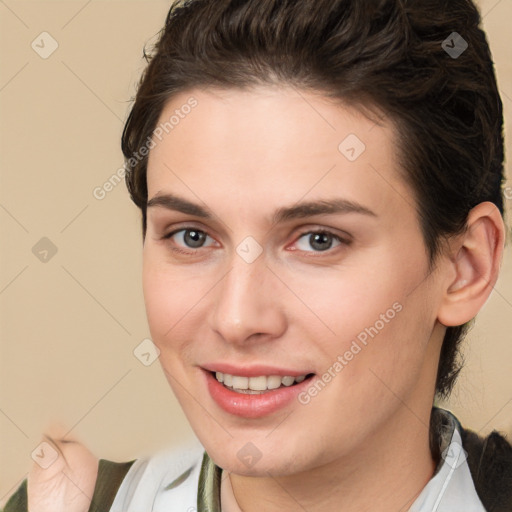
pixel 477 258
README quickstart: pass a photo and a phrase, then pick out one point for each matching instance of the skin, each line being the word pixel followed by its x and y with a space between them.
pixel 364 438
pixel 68 483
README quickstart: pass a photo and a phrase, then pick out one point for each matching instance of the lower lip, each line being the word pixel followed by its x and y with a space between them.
pixel 253 406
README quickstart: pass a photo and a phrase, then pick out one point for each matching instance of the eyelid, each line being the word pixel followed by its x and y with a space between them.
pixel 185 226
pixel 341 235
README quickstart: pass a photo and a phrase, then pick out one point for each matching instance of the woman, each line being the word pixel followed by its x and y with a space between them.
pixel 320 189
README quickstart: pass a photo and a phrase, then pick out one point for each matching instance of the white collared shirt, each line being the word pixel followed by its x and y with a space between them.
pixel 451 489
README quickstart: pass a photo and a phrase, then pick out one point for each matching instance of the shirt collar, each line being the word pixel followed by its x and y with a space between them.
pixel 451 487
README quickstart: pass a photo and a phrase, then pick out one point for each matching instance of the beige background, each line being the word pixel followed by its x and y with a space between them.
pixel 69 326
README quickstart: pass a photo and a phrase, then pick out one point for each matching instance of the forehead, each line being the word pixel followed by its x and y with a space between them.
pixel 276 144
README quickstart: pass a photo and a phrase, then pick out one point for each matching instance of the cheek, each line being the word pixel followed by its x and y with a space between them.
pixel 354 298
pixel 170 300
pixel 377 318
pixel 171 308
pixel 384 358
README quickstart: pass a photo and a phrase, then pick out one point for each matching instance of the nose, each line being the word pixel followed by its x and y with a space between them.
pixel 248 304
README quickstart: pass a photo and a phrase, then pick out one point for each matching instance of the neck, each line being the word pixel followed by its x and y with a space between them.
pixel 391 469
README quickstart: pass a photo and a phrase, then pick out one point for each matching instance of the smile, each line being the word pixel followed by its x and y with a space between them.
pixel 254 396
pixel 256 385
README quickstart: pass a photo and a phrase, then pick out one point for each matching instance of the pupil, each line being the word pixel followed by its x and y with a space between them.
pixel 321 241
pixel 194 238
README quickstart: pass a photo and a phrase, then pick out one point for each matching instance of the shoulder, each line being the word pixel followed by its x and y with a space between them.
pixel 490 462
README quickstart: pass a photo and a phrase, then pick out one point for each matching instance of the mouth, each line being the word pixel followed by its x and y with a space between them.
pixel 259 384
pixel 255 396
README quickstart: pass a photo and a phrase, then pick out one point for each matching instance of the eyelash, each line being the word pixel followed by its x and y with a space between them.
pixel 192 252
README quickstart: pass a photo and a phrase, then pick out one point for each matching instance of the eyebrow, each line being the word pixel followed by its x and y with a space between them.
pixel 296 211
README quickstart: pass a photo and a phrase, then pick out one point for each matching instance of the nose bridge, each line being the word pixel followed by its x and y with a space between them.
pixel 244 304
pixel 242 289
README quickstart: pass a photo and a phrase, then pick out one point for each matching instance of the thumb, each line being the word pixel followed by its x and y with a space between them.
pixel 63 475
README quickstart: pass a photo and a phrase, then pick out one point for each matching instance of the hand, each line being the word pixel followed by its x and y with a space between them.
pixel 67 485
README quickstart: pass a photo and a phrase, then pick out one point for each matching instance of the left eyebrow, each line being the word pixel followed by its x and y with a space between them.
pixel 326 207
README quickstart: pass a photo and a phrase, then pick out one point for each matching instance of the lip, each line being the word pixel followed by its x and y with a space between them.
pixel 253 406
pixel 254 370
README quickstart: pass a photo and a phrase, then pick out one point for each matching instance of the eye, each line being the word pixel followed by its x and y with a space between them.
pixel 190 238
pixel 320 241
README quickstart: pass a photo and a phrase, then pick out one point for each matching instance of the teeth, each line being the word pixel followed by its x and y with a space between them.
pixel 241 382
pixel 274 382
pixel 257 383
pixel 261 383
pixel 288 381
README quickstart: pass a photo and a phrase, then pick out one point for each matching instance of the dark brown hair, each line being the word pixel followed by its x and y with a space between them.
pixel 392 55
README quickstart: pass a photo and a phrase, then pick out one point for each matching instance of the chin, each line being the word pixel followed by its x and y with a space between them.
pixel 243 458
pixel 261 468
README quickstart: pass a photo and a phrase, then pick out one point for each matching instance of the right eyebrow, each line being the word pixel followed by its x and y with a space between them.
pixel 179 204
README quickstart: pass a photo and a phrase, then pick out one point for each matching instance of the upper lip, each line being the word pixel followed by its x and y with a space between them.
pixel 255 370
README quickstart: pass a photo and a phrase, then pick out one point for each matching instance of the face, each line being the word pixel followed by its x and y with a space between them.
pixel 282 241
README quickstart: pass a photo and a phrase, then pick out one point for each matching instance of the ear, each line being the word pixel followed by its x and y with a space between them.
pixel 474 266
